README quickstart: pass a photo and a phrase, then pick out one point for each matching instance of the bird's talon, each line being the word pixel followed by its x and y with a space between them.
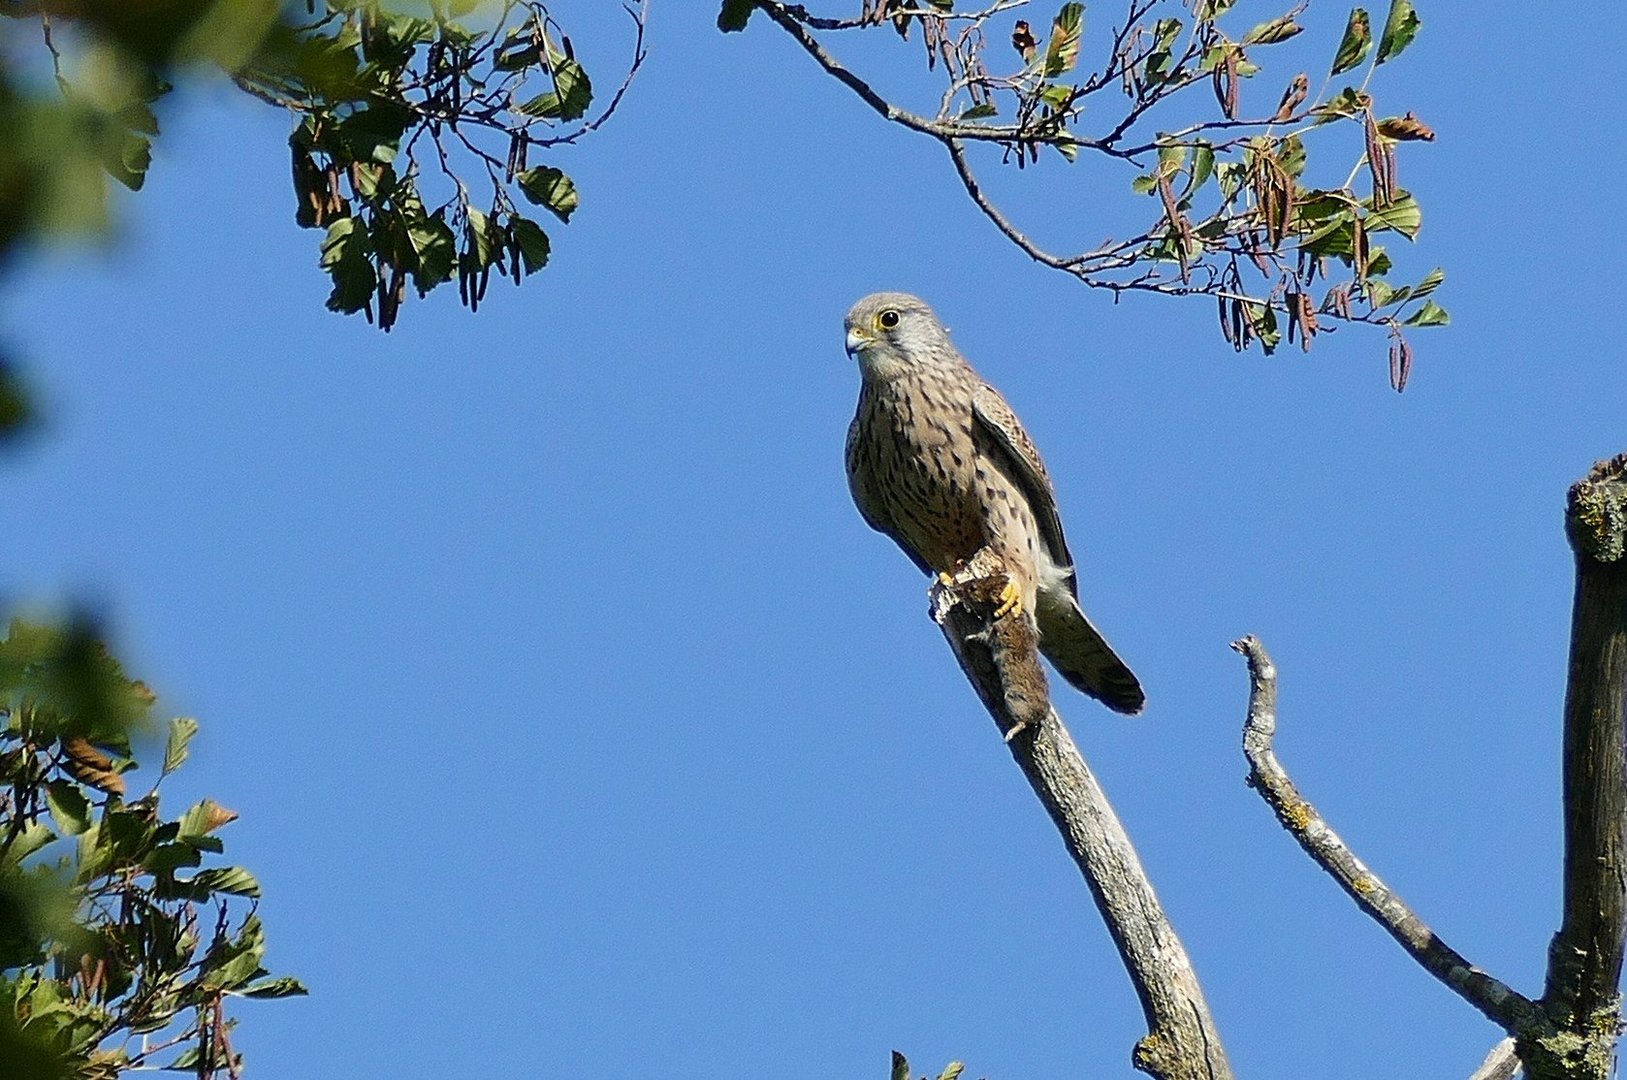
pixel 1011 600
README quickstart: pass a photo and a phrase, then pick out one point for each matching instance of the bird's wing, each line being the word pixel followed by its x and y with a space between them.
pixel 1016 453
pixel 861 480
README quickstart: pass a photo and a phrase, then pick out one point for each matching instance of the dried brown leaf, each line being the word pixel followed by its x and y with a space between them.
pixel 1406 128
pixel 90 766
pixel 218 816
pixel 1023 40
pixel 1293 98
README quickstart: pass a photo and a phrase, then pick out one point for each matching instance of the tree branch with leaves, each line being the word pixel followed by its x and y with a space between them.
pixel 1238 217
pixel 419 137
pixel 119 949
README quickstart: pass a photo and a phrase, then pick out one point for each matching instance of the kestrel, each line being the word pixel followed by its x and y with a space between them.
pixel 937 460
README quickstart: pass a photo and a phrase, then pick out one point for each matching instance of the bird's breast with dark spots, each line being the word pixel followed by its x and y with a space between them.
pixel 915 469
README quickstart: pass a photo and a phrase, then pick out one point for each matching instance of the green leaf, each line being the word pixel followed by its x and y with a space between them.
pixel 167 858
pixel 232 974
pixel 275 988
pixel 1056 95
pixel 436 246
pixel 1263 321
pixel 1356 44
pixel 186 1061
pixel 1346 104
pixel 734 15
pixel 346 256
pixel 128 158
pixel 952 1070
pixel 1431 314
pixel 570 97
pixel 980 111
pixel 1431 282
pixel 1203 167
pixel 181 730
pixel 1270 33
pixel 549 187
pixel 33 836
pixel 201 820
pixel 408 29
pixel 69 806
pixel 369 179
pixel 1144 184
pixel 77 687
pixel 1399 30
pixel 1062 53
pixel 1403 215
pixel 479 246
pixel 374 133
pixel 1291 155
pixel 227 879
pixel 532 242
pixel 517 55
pixel 901 1067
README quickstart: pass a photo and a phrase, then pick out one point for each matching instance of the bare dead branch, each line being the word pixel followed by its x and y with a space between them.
pixel 1000 659
pixel 1585 957
pixel 1500 1003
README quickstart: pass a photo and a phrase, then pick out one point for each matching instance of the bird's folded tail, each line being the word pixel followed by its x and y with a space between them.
pixel 1082 656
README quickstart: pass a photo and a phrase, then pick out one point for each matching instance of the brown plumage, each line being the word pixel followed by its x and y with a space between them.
pixel 938 461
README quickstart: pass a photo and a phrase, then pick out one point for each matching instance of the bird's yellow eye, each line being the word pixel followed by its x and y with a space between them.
pixel 887 320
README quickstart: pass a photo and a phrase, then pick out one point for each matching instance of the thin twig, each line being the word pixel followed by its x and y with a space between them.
pixel 640 53
pixel 948 129
pixel 1499 1002
pixel 968 179
pixel 803 15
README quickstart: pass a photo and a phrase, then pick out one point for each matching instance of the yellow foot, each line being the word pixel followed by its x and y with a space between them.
pixel 1011 600
pixel 946 579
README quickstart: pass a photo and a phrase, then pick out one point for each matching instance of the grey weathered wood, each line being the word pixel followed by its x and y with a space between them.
pixel 1584 960
pixel 1499 1002
pixel 1572 1031
pixel 1501 1064
pixel 1000 660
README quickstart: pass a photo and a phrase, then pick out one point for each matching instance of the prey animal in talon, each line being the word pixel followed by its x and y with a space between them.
pixel 938 461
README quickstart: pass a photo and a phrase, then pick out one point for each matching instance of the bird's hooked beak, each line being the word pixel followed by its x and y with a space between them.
pixel 858 341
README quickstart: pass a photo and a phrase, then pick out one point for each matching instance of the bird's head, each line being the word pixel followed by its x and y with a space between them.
pixel 892 333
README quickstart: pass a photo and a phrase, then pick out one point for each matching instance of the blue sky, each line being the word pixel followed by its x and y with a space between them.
pixel 578 725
